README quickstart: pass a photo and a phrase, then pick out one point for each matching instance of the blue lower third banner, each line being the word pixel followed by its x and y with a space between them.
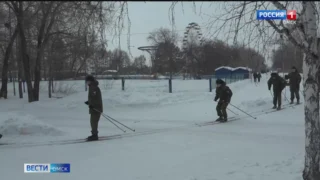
pixel 47 168
pixel 271 14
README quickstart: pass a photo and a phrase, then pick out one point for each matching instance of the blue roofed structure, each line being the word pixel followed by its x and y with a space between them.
pixel 223 72
pixel 241 73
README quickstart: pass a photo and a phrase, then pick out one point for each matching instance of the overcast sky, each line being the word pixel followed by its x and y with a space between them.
pixel 146 17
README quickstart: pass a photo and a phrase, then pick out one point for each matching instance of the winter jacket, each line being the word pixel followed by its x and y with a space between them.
pixel 277 82
pixel 223 93
pixel 259 75
pixel 294 80
pixel 95 98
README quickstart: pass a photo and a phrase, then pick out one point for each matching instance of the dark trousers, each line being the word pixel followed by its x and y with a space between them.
pixel 258 79
pixel 294 93
pixel 222 110
pixel 94 121
pixel 277 98
pixel 255 79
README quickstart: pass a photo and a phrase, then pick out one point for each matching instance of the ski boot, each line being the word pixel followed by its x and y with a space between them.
pixel 291 102
pixel 93 137
pixel 298 102
pixel 219 119
pixel 279 108
pixel 274 107
pixel 224 120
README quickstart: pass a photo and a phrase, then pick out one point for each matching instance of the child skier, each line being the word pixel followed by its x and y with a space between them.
pixel 224 94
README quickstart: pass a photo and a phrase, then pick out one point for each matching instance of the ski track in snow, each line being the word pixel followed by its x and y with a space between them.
pixel 269 147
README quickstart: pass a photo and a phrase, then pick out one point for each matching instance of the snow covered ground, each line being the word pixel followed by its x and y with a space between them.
pixel 270 147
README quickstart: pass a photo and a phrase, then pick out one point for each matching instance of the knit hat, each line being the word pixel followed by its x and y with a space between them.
pixel 219 81
pixel 274 74
pixel 90 78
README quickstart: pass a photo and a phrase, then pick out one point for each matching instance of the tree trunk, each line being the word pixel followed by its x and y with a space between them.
pixel 37 74
pixel 14 84
pixel 20 69
pixel 4 85
pixel 311 110
pixel 49 87
pixel 23 50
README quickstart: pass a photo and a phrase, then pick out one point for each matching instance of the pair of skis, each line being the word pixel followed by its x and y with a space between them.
pixel 217 122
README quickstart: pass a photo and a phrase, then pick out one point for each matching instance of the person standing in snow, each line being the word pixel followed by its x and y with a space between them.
pixel 95 105
pixel 259 76
pixel 278 84
pixel 255 76
pixel 224 94
pixel 294 82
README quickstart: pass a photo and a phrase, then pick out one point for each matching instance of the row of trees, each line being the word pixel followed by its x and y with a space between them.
pixel 38 38
pixel 169 58
pixel 199 59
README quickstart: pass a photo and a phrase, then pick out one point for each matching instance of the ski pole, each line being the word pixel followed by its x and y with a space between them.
pixel 232 111
pixel 243 111
pixel 285 97
pixel 120 123
pixel 111 121
pixel 114 124
pixel 110 118
pixel 271 93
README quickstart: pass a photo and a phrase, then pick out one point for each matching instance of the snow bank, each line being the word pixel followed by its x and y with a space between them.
pixel 20 125
pixel 156 92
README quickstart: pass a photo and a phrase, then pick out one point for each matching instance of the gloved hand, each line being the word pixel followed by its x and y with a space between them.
pixel 269 89
pixel 91 107
pixel 87 103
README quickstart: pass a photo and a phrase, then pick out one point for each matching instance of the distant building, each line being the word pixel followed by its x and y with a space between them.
pixel 223 72
pixel 241 72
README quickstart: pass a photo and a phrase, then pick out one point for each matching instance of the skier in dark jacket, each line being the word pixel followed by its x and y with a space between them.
pixel 224 94
pixel 255 76
pixel 259 76
pixel 278 84
pixel 95 106
pixel 294 82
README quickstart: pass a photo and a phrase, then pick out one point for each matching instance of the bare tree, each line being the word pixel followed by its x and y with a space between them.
pixel 167 50
pixel 7 55
pixel 5 65
pixel 72 22
pixel 119 59
pixel 239 17
pixel 140 63
pixel 286 56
